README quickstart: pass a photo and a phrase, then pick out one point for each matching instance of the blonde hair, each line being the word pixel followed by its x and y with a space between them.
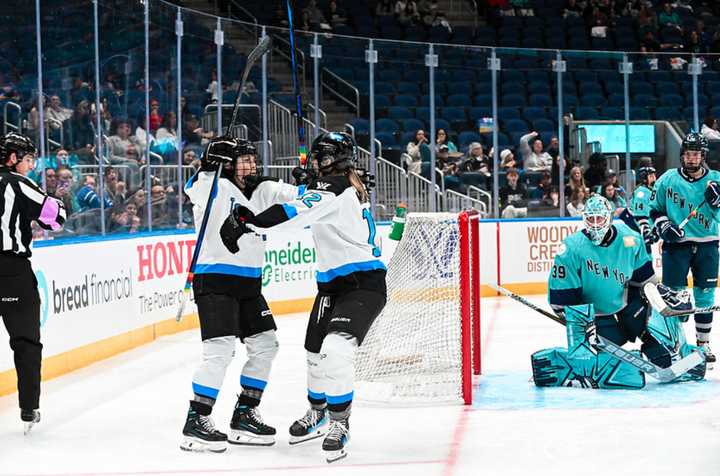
pixel 357 183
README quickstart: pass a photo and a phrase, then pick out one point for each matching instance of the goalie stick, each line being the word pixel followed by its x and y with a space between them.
pixel 258 52
pixel 664 375
pixel 659 304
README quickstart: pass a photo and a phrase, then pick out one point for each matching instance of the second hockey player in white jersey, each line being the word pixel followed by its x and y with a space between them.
pixel 350 278
pixel 227 287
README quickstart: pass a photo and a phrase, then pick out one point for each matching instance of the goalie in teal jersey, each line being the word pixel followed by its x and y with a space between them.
pixel 693 248
pixel 595 285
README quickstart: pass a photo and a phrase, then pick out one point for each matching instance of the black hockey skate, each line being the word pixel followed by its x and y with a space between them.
pixel 709 356
pixel 247 428
pixel 313 425
pixel 30 417
pixel 201 435
pixel 335 443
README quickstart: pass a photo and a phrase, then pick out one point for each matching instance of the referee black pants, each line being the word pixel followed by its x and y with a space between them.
pixel 20 312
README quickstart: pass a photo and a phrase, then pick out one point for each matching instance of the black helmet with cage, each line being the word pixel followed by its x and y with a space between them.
pixel 693 142
pixel 329 151
pixel 21 145
pixel 644 172
pixel 242 148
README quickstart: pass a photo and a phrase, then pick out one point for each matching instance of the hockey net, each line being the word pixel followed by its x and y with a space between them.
pixel 424 345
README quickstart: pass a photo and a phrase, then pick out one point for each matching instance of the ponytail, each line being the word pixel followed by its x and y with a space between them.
pixel 357 183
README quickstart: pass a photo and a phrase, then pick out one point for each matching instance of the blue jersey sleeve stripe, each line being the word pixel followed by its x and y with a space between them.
pixel 643 273
pixel 246 381
pixel 290 211
pixel 205 391
pixel 316 396
pixel 301 190
pixel 566 297
pixel 220 268
pixel 337 399
pixel 329 275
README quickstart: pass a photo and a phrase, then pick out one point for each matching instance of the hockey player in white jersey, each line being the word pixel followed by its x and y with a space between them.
pixel 227 288
pixel 350 278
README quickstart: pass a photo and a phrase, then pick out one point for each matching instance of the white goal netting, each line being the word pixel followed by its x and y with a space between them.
pixel 414 351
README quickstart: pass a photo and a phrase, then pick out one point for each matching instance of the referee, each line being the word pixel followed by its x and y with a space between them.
pixel 21 202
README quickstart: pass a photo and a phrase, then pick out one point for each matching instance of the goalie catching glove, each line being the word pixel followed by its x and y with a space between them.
pixel 233 228
pixel 670 232
pixel 712 194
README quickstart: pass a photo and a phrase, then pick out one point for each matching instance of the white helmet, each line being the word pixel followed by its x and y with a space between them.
pixel 597 217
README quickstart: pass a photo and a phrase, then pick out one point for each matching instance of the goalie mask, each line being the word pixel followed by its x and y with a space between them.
pixel 597 217
pixel 20 145
pixel 329 151
pixel 693 142
pixel 644 175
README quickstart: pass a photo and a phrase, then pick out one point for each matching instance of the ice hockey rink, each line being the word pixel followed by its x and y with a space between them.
pixel 124 416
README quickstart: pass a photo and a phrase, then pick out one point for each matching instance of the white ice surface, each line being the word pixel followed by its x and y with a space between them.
pixel 124 416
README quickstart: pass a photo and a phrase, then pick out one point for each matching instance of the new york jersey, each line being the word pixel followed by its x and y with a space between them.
pixel 214 258
pixel 346 242
pixel 584 273
pixel 640 203
pixel 676 195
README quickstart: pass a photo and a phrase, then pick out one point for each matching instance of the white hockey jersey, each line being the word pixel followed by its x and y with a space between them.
pixel 346 242
pixel 214 258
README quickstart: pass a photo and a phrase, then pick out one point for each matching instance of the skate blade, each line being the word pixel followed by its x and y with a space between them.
pixel 28 427
pixel 242 438
pixel 197 446
pixel 332 456
pixel 710 365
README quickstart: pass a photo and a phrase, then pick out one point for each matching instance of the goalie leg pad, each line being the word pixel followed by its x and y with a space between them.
pixel 656 353
pixel 551 367
pixel 581 332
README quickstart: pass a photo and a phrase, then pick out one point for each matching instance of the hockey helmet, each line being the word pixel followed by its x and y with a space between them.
pixel 693 141
pixel 21 145
pixel 643 173
pixel 337 147
pixel 242 147
pixel 597 217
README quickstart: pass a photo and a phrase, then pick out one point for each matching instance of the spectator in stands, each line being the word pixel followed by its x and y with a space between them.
pixel 595 174
pixel 279 18
pixel 553 147
pixel 543 189
pixel 122 147
pixel 55 114
pixel 617 202
pixel 575 180
pixel 611 177
pixel 384 8
pixel 449 168
pixel 335 14
pixel 50 182
pixel 400 6
pixel 534 158
pixel 114 189
pixel 168 127
pixel 552 199
pixel 133 221
pixel 694 45
pixel 633 8
pixel 710 128
pixel 649 45
pixel 304 22
pixel 31 125
pixel 572 9
pixel 647 16
pixel 315 15
pixel 669 18
pixel 186 210
pixel 576 204
pixel 702 34
pixel 409 16
pixel 158 202
pixel 155 116
pixel 555 171
pixel 66 189
pixel 507 160
pixel 105 119
pixel 442 138
pixel 598 22
pixel 184 106
pixel 88 197
pixel 189 157
pixel 430 12
pixel 682 4
pixel 192 133
pixel 475 160
pixel 414 150
pixel 513 197
pixel 79 134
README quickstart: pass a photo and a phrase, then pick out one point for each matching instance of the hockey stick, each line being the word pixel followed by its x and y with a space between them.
pixel 692 214
pixel 664 375
pixel 659 304
pixel 301 127
pixel 259 51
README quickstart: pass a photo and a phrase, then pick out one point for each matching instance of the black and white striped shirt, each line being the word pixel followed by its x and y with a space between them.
pixel 21 202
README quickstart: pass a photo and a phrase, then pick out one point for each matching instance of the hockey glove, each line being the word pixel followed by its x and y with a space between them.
pixel 670 232
pixel 712 194
pixel 302 176
pixel 677 300
pixel 367 180
pixel 220 151
pixel 231 230
pixel 649 235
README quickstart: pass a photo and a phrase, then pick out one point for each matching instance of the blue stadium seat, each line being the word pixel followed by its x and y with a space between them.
pixel 592 88
pixel 612 113
pixel 384 87
pixel 672 100
pixel 343 73
pixel 465 76
pixel 687 88
pixel 544 125
pixel 540 100
pixel 515 126
pixel 570 100
pixel 386 125
pixel 586 114
pixel 359 125
pixel 578 44
pixel 614 88
pixel 506 113
pixel 423 113
pixel 586 76
pixel 466 138
pixel 539 88
pixel 602 44
pixel 644 100
pixel 406 100
pixel 415 31
pixel 425 101
pixel 406 87
pixel 658 76
pixel 538 76
pixel 556 43
pixel 667 87
pixel 477 113
pixel 626 44
pixel 688 112
pixel 534 113
pixel 415 76
pixel 390 75
pixel 460 88
pixel 533 43
pixel 513 76
pixel 526 64
pixel 483 100
pixel 639 114
pixel 512 88
pixel 443 124
pixel 390 149
pixel 513 100
pixel 703 101
pixel 442 76
pixel 593 100
pixel 413 125
pixel 715 100
pixel 439 88
pixel 459 100
pixel 456 116
pixel 609 77
pixel 641 88
pixel 362 86
pixel 400 113
pixel 502 140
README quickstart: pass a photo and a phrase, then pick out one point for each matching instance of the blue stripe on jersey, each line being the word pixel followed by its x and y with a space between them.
pixel 316 396
pixel 246 381
pixel 643 273
pixel 301 190
pixel 244 271
pixel 336 399
pixel 566 297
pixel 290 211
pixel 344 270
pixel 204 391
